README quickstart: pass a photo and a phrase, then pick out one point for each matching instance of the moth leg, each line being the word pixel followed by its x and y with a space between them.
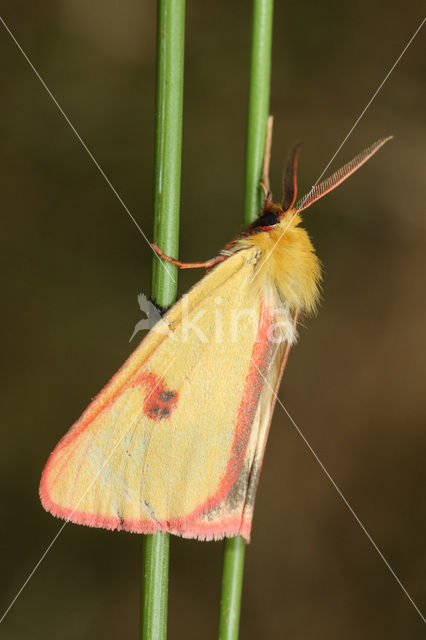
pixel 187 265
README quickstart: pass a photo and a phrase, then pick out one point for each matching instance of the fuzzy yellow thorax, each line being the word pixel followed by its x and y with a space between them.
pixel 286 259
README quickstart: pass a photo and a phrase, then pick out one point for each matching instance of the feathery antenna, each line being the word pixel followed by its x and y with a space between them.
pixel 339 176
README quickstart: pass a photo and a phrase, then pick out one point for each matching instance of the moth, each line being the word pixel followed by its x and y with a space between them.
pixel 175 441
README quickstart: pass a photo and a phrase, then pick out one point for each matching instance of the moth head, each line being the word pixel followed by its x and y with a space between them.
pixel 273 213
pixel 268 219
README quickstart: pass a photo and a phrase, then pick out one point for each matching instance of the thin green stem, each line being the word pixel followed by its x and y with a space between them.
pixel 258 105
pixel 155 586
pixel 167 172
pixel 168 145
pixel 232 580
pixel 258 111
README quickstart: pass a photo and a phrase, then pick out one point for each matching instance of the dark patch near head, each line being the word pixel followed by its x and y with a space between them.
pixel 164 413
pixel 267 219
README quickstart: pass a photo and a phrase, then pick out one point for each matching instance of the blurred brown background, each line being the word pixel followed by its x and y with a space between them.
pixel 73 264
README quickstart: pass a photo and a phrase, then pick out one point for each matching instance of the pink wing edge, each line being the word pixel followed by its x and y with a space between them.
pixel 191 525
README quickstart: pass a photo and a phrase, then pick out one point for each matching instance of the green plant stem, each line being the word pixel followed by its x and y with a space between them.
pixel 155 586
pixel 258 111
pixel 168 146
pixel 167 173
pixel 258 105
pixel 232 580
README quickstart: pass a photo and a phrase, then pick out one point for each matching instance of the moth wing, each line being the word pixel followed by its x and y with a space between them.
pixel 164 442
pixel 234 514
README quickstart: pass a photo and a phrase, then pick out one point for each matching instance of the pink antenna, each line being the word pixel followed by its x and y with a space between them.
pixel 290 179
pixel 339 176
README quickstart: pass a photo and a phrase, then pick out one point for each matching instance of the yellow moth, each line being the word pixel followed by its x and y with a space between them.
pixel 175 441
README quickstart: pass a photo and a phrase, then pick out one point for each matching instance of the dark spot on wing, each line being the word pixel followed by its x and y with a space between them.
pixel 153 411
pixel 160 401
pixel 167 396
